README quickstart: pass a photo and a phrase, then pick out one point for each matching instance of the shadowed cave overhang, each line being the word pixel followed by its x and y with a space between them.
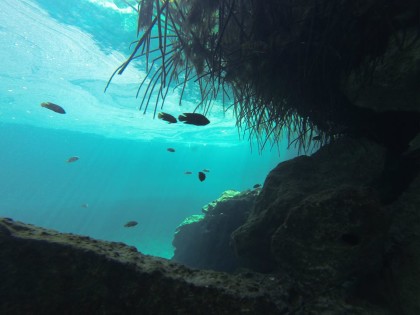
pixel 319 68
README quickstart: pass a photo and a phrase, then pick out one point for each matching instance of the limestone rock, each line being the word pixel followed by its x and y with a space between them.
pixel 226 195
pixel 299 185
pixel 205 241
pixel 45 272
pixel 404 249
pixel 345 220
pixel 331 236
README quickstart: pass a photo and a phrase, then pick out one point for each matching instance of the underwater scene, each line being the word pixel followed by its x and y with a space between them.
pixel 80 160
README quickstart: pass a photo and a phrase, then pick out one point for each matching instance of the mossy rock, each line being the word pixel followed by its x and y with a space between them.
pixel 226 195
pixel 191 219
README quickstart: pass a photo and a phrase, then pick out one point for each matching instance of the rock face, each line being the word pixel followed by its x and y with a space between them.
pixel 338 220
pixel 310 206
pixel 404 254
pixel 345 219
pixel 395 82
pixel 45 272
pixel 334 233
pixel 204 241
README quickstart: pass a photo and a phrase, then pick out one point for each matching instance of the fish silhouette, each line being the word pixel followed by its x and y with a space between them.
pixel 194 119
pixel 54 107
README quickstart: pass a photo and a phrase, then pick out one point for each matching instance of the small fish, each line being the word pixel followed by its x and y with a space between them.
pixel 130 224
pixel 54 107
pixel 167 117
pixel 256 186
pixel 194 119
pixel 188 173
pixel 72 159
pixel 170 149
pixel 85 205
pixel 316 138
pixel 206 170
pixel 201 176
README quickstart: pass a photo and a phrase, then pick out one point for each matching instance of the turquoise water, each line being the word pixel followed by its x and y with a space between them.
pixel 64 52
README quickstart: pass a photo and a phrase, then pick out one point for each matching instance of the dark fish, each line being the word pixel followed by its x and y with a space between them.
pixel 130 224
pixel 85 205
pixel 194 119
pixel 206 170
pixel 171 149
pixel 257 186
pixel 316 138
pixel 188 173
pixel 72 159
pixel 201 176
pixel 54 107
pixel 167 117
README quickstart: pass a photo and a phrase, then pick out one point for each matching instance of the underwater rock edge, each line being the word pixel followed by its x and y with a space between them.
pixel 47 272
pixel 203 241
pixel 44 271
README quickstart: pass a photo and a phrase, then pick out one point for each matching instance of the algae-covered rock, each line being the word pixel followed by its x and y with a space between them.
pixel 226 195
pixel 203 241
pixel 192 219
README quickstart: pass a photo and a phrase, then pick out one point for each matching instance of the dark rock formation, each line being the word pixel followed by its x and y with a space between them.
pixel 312 205
pixel 403 268
pixel 344 220
pixel 45 272
pixel 328 221
pixel 204 241
pixel 322 230
pixel 394 84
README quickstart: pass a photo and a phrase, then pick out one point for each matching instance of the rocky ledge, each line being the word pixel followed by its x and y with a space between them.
pixel 46 272
pixel 344 220
pixel 203 240
pixel 333 233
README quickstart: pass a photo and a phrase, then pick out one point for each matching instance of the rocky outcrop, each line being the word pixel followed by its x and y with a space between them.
pixel 334 233
pixel 403 268
pixel 203 241
pixel 343 219
pixel 315 207
pixel 45 272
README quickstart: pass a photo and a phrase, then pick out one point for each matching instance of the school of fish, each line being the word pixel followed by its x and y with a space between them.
pixel 186 118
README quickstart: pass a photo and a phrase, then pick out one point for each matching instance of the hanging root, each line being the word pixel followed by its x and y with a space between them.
pixel 278 64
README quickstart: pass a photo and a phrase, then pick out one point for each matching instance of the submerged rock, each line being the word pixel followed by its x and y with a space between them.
pixel 46 272
pixel 203 241
pixel 345 219
pixel 331 237
pixel 311 209
pixel 403 256
pixel 321 237
pixel 226 195
pixel 343 222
